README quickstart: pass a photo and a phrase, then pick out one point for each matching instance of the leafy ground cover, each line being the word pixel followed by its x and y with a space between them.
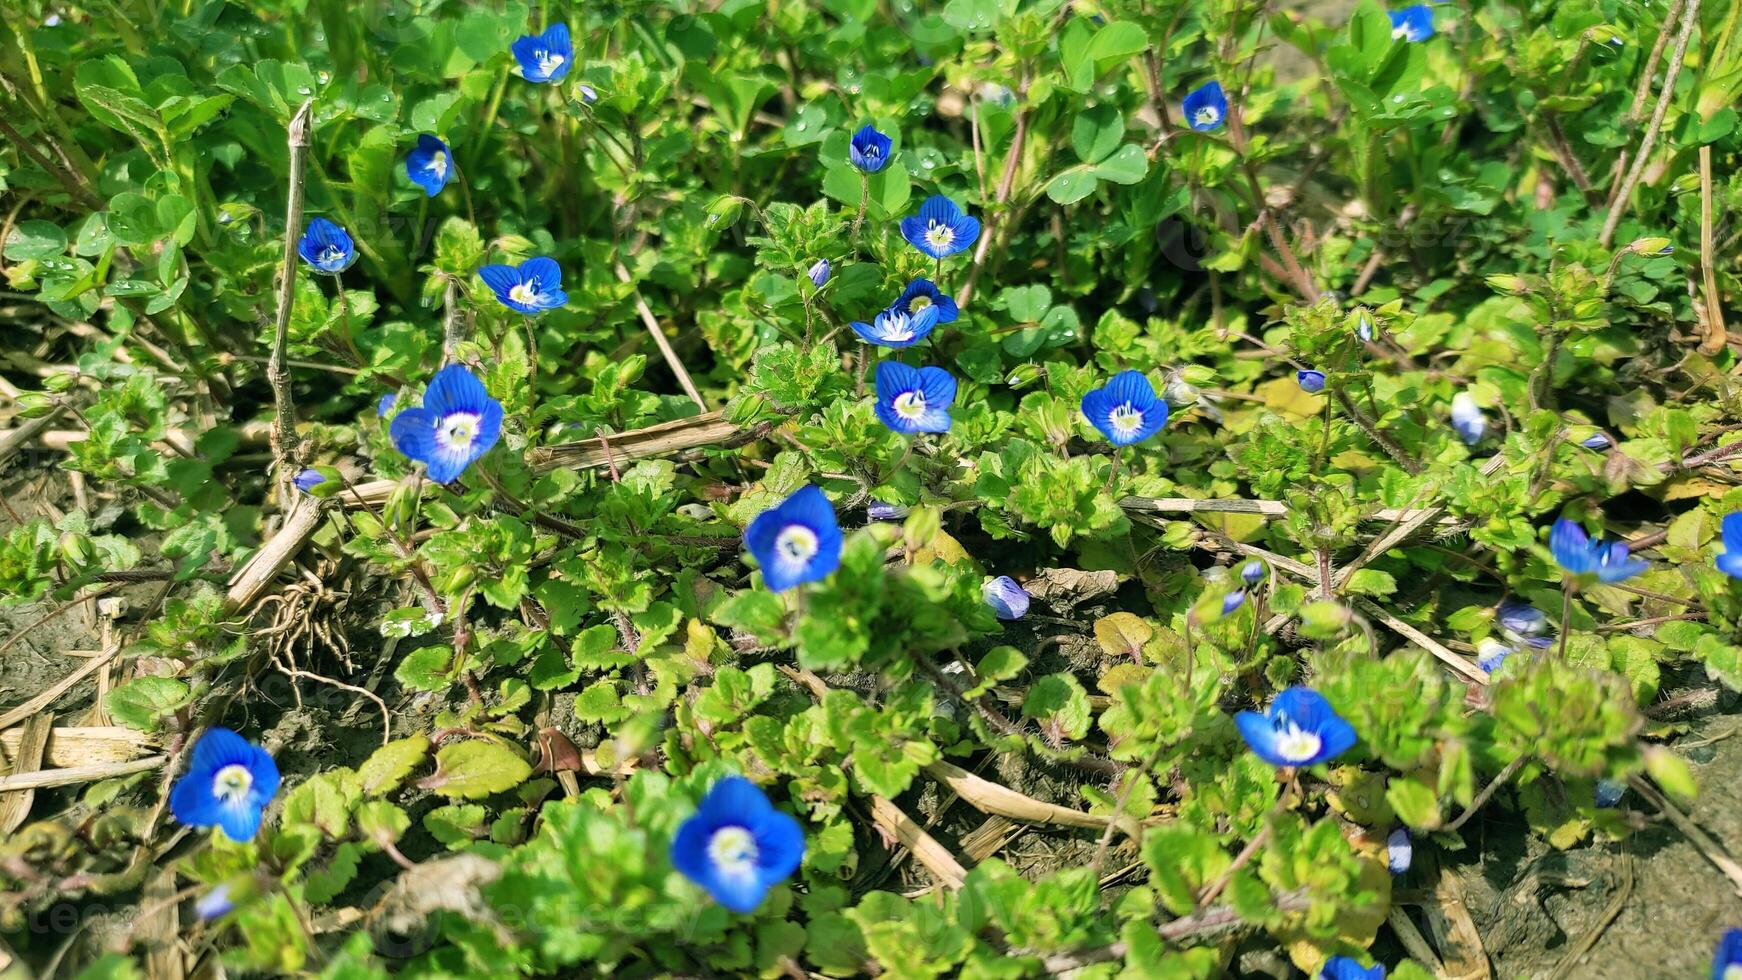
pixel 986 489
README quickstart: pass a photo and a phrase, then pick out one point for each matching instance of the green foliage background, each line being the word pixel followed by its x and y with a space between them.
pixel 1474 199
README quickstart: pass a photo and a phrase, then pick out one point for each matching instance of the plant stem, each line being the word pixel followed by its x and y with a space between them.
pixel 277 370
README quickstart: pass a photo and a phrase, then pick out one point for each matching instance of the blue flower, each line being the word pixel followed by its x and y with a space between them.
pixel 1491 653
pixel 796 541
pixel 880 511
pixel 1730 562
pixel 588 94
pixel 214 903
pixel 1252 571
pixel 1233 600
pixel 1344 968
pixel 384 406
pixel 1126 409
pixel 1311 382
pixel 921 295
pixel 307 480
pixel 893 328
pixel 1364 328
pixel 227 785
pixel 1727 961
pixel 1299 729
pixel 913 400
pixel 819 273
pixel 940 229
pixel 1413 23
pixel 430 165
pixel 1598 441
pixel 1468 420
pixel 534 286
pixel 1007 599
pixel 1524 623
pixel 327 247
pixel 1206 107
pixel 1399 851
pixel 1582 556
pixel 869 150
pixel 457 423
pixel 737 845
pixel 545 57
pixel 1608 793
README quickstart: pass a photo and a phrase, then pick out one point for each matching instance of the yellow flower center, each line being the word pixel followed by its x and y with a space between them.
pixel 438 165
pixel 524 293
pixel 1126 419
pixel 457 431
pixel 796 544
pixel 910 405
pixel 939 235
pixel 1297 744
pixel 732 850
pixel 232 783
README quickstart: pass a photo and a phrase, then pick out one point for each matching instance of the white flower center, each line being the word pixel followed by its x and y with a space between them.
pixel 910 405
pixel 733 851
pixel 438 165
pixel 232 783
pixel 547 62
pixel 524 293
pixel 1126 419
pixel 331 254
pixel 897 328
pixel 871 154
pixel 1296 744
pixel 939 235
pixel 456 432
pixel 796 544
pixel 1733 972
pixel 1207 116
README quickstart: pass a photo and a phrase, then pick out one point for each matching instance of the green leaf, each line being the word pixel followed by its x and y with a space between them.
pixel 144 702
pixel 475 769
pixel 1096 132
pixel 35 239
pixel 388 765
pixel 1072 185
pixel 1126 166
pixel 1415 803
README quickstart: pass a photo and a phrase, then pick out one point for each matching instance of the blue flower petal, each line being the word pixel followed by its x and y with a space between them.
pixel 542 273
pixel 500 278
pixel 1007 599
pixel 413 433
pixel 1344 968
pixel 1729 954
pixel 455 389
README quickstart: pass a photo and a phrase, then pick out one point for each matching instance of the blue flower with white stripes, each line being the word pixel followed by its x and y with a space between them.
pixel 457 423
pixel 940 229
pixel 1126 409
pixel 430 165
pixel 327 247
pixel 547 57
pixel 227 785
pixel 796 541
pixel 533 286
pixel 913 400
